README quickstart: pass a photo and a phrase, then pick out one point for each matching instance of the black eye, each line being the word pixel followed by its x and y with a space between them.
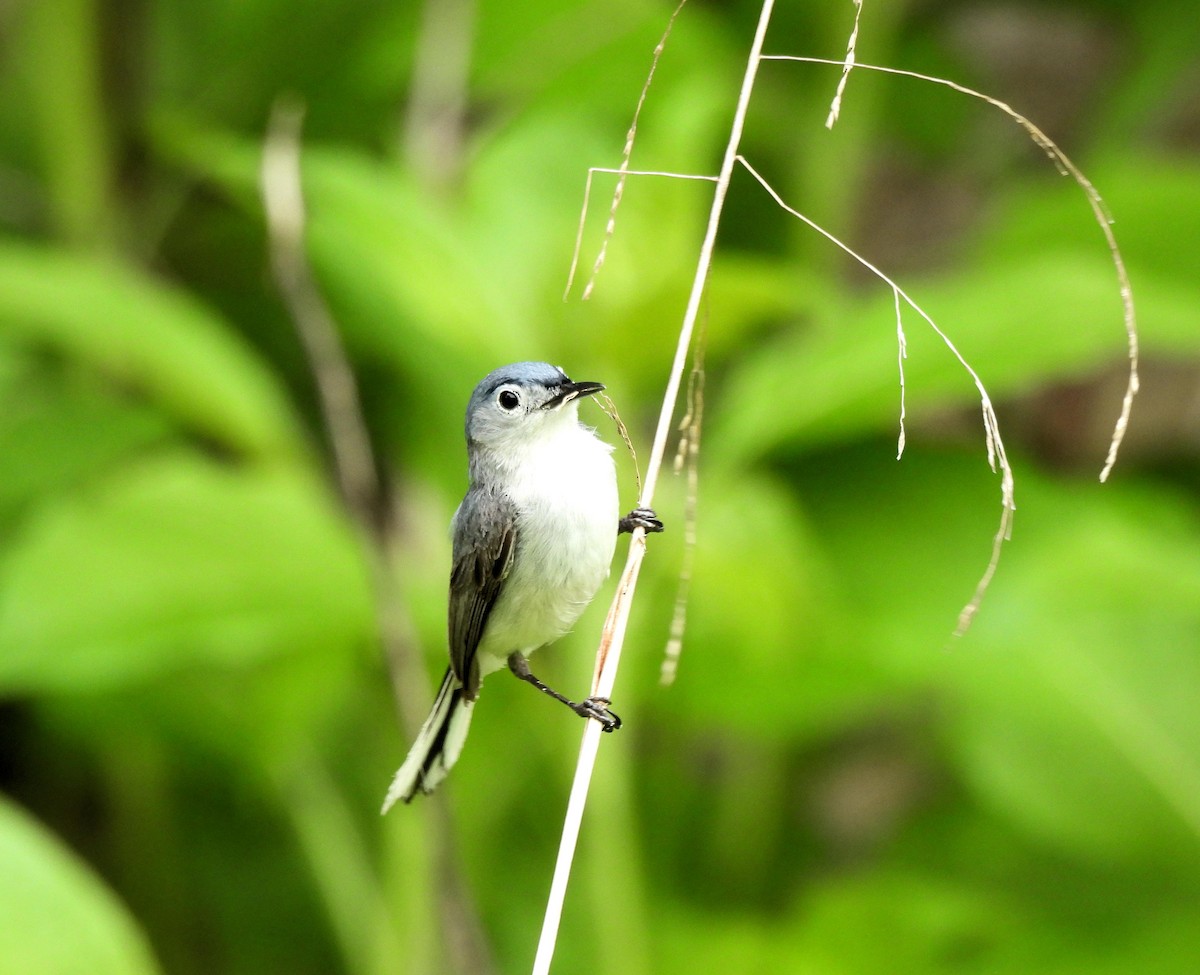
pixel 508 399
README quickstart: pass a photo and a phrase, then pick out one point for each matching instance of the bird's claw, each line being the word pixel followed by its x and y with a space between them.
pixel 643 518
pixel 598 709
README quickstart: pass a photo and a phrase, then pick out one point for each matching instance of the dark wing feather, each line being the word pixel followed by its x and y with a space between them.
pixel 485 534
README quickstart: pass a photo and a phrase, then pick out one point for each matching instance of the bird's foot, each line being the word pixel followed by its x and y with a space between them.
pixel 598 709
pixel 593 707
pixel 643 518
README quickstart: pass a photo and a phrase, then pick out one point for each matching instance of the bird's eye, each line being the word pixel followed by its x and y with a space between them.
pixel 508 399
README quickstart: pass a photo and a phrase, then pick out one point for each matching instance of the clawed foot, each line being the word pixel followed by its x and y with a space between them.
pixel 597 708
pixel 643 518
pixel 593 707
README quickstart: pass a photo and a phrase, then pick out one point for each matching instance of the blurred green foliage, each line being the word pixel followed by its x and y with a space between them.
pixel 196 722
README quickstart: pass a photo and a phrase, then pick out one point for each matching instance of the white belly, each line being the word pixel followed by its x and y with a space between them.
pixel 566 534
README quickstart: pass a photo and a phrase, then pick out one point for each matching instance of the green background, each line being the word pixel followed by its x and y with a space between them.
pixel 197 724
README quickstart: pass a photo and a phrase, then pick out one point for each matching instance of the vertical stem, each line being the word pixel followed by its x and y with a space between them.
pixel 62 57
pixel 608 655
pixel 362 489
pixel 283 201
pixel 671 396
pixel 435 117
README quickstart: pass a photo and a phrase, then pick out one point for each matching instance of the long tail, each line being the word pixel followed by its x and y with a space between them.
pixel 437 747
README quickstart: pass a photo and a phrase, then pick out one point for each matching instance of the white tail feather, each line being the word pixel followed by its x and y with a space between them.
pixel 438 745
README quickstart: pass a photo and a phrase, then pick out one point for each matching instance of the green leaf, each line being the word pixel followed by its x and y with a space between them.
pixel 385 250
pixel 916 923
pixel 1153 203
pixel 1080 710
pixel 136 330
pixel 763 604
pixel 1072 706
pixel 56 430
pixel 176 562
pixel 861 924
pixel 59 917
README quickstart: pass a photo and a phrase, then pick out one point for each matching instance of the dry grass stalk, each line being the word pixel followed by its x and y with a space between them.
pixel 613 636
pixel 686 456
pixel 1103 219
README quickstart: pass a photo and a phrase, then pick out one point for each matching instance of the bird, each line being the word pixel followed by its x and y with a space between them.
pixel 533 540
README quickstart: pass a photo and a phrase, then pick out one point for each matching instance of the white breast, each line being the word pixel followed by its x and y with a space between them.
pixel 565 490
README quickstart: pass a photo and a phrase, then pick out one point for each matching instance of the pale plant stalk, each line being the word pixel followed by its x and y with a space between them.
pixel 687 457
pixel 610 227
pixel 835 107
pixel 283 202
pixel 997 456
pixel 356 468
pixel 435 118
pixel 613 637
pixel 622 171
pixel 609 409
pixel 1068 168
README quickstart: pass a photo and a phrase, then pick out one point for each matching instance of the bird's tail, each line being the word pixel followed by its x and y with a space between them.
pixel 437 747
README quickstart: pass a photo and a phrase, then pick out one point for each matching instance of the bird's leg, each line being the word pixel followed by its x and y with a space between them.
pixel 593 707
pixel 643 518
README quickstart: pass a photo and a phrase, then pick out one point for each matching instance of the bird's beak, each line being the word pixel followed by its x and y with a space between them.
pixel 569 391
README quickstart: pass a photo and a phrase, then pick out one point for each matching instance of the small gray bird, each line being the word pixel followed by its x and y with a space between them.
pixel 533 540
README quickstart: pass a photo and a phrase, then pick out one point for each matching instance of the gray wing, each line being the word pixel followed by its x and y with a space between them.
pixel 485 538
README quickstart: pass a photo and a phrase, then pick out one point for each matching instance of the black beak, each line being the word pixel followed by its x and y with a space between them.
pixel 568 391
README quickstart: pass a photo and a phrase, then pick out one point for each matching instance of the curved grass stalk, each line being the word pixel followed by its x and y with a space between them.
pixel 1064 165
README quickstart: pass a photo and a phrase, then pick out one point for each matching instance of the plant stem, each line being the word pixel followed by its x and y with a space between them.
pixel 613 637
